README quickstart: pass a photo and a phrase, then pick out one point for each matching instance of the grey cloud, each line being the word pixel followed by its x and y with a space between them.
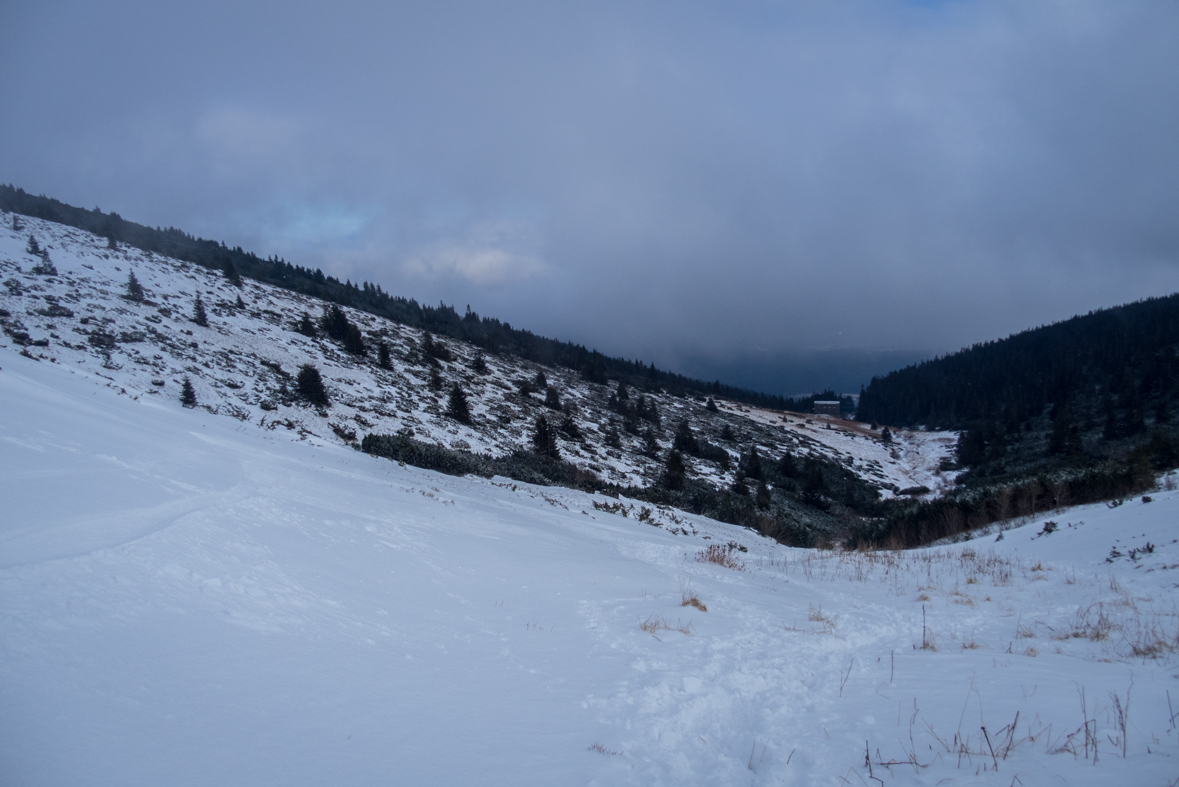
pixel 678 182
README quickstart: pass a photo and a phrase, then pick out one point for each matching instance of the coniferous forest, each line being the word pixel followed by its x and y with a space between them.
pixel 1077 411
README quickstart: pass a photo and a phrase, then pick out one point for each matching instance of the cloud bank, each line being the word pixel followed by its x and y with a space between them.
pixel 693 185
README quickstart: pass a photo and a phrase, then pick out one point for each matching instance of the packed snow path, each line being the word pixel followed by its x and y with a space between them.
pixel 187 599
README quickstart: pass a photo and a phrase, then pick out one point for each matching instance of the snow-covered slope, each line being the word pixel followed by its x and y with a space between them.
pixel 188 599
pixel 241 361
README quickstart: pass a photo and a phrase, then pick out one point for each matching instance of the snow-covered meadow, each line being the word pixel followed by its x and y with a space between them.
pixel 188 599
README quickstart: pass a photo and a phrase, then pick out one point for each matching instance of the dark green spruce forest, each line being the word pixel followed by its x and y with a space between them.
pixel 1077 411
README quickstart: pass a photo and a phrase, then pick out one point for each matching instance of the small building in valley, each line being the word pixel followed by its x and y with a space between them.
pixel 827 408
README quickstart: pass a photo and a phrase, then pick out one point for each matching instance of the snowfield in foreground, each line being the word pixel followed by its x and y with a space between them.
pixel 187 599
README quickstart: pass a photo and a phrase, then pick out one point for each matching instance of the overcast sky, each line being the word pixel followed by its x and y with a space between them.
pixel 709 186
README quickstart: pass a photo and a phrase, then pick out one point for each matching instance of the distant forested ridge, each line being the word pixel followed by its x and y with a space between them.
pixel 1075 412
pixel 486 332
pixel 1122 359
pixel 1096 392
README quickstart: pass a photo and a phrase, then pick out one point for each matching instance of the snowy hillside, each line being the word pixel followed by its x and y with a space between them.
pixel 242 366
pixel 188 599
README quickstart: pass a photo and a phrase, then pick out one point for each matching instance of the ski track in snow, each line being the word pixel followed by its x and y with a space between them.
pixel 187 598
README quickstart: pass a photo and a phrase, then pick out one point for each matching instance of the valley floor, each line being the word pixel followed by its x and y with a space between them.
pixel 188 599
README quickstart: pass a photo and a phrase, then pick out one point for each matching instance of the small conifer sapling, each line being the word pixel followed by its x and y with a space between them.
pixel 187 394
pixel 306 326
pixel 650 444
pixel 552 399
pixel 198 312
pixel 544 438
pixel 231 274
pixel 613 439
pixel 134 289
pixel 310 386
pixel 456 405
pixel 763 495
pixel 675 470
pixel 354 342
pixel 383 359
pixel 569 427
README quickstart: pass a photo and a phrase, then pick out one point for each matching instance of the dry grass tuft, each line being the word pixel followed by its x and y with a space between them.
pixel 1091 623
pixel 655 623
pixel 690 599
pixel 721 555
pixel 601 749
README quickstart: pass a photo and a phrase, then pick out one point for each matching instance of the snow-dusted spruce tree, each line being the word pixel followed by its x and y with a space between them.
pixel 335 323
pixel 198 312
pixel 650 444
pixel 187 394
pixel 552 399
pixel 544 438
pixel 676 469
pixel 685 438
pixel 306 326
pixel 613 439
pixel 479 365
pixel 354 342
pixel 763 495
pixel 383 359
pixel 569 427
pixel 456 405
pixel 45 267
pixel 134 289
pixel 432 351
pixel 231 274
pixel 310 386
pixel 541 382
pixel 435 379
